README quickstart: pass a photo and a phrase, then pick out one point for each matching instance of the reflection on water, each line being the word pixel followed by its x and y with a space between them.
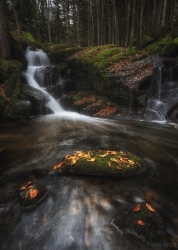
pixel 78 210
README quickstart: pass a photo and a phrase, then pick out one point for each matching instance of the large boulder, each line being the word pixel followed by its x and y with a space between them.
pixel 36 97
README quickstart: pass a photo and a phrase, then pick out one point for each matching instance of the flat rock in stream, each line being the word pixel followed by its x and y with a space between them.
pixel 102 162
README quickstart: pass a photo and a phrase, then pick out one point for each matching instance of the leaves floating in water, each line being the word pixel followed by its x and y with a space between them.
pixel 150 207
pixel 136 208
pixel 141 223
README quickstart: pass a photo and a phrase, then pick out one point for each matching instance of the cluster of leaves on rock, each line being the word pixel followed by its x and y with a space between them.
pixel 101 161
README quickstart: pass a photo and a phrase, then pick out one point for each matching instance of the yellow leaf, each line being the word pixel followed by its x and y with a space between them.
pixel 114 160
pixel 131 162
pixel 103 155
pixel 109 164
pixel 92 159
pixel 72 161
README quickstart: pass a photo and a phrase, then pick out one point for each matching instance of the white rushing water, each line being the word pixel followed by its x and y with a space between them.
pixel 36 60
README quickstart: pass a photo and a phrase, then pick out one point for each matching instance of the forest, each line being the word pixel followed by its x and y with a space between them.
pixel 94 22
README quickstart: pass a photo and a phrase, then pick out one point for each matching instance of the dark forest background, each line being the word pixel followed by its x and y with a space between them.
pixel 94 22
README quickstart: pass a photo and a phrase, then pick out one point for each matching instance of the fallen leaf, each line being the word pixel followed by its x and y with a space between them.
pixel 72 161
pixel 150 207
pixel 33 193
pixel 138 164
pixel 114 160
pixel 119 167
pixel 131 162
pixel 103 155
pixel 23 188
pixel 136 208
pixel 109 164
pixel 141 223
pixel 58 165
pixel 92 159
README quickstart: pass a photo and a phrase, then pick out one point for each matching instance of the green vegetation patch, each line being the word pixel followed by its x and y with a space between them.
pixel 159 46
pixel 25 37
pixel 7 68
pixel 102 162
pixel 13 86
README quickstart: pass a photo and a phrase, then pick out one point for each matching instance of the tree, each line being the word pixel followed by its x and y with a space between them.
pixel 5 49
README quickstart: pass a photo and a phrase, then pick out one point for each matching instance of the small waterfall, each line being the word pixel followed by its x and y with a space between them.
pixel 38 61
pixel 163 97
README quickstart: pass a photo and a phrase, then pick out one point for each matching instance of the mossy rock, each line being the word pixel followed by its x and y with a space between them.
pixel 13 86
pixel 144 222
pixel 25 40
pixel 102 162
pixel 8 68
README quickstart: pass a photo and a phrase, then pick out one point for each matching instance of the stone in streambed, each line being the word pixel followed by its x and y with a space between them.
pixel 30 194
pixel 102 162
pixel 142 221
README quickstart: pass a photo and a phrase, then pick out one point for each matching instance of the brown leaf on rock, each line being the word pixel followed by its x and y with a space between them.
pixel 150 207
pixel 109 164
pixel 23 188
pixel 136 208
pixel 33 193
pixel 119 167
pixel 58 165
pixel 141 223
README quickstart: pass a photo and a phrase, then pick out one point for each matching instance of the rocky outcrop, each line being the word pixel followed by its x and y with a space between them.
pixel 37 97
pixel 55 91
pixel 18 110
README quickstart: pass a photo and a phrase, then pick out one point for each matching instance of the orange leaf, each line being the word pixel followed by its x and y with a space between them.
pixel 141 223
pixel 23 188
pixel 109 164
pixel 58 165
pixel 119 167
pixel 136 208
pixel 33 193
pixel 138 164
pixel 150 208
pixel 131 162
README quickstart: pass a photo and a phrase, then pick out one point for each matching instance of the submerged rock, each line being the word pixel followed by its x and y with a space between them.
pixel 102 162
pixel 144 222
pixel 29 195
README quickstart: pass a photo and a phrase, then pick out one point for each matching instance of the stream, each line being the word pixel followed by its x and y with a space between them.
pixel 78 211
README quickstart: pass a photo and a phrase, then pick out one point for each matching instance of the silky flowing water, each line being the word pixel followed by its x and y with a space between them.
pixel 78 211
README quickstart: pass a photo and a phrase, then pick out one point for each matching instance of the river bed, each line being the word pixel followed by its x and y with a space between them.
pixel 78 211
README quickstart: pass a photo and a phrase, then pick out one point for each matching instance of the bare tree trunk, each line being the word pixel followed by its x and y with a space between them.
pixel 78 15
pixel 115 23
pixel 163 17
pixel 17 19
pixel 98 23
pixel 141 19
pixel 48 20
pixel 5 48
pixel 109 26
pixel 67 19
pixel 175 20
pixel 159 17
pixel 128 24
pixel 133 23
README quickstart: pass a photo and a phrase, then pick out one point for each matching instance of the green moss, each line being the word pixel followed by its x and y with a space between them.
pixel 110 163
pixel 7 68
pixel 77 97
pixel 130 51
pixel 159 46
pixel 25 37
pixel 13 86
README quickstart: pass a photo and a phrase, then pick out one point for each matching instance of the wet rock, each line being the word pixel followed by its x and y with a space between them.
pixel 103 162
pixel 68 86
pixel 55 91
pixel 18 110
pixel 144 222
pixel 30 194
pixel 35 96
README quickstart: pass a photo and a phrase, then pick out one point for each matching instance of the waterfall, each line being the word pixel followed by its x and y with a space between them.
pixel 38 61
pixel 163 97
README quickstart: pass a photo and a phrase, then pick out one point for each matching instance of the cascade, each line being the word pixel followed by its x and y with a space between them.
pixel 163 97
pixel 38 61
